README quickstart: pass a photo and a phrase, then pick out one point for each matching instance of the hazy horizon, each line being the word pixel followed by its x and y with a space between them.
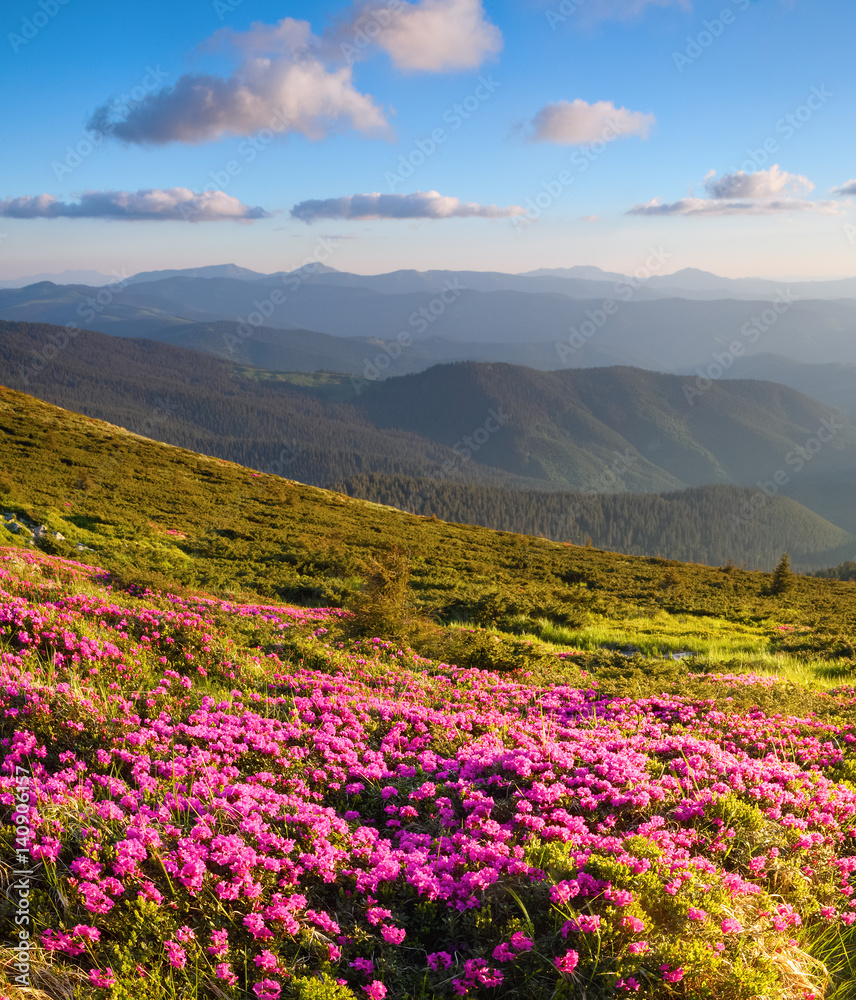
pixel 368 274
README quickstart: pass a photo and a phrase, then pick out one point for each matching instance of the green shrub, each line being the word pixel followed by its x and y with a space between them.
pixel 319 987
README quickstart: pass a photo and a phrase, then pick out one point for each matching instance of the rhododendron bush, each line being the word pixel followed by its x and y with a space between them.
pixel 227 800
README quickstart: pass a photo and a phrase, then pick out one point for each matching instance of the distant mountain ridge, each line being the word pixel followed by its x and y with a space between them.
pixel 579 281
pixel 210 271
pixel 93 278
pixel 560 331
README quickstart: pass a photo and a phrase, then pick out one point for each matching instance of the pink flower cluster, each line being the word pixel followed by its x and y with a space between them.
pixel 364 779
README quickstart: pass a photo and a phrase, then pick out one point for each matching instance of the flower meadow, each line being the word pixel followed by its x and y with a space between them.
pixel 205 798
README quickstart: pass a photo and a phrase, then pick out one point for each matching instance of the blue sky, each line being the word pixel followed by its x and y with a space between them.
pixel 570 132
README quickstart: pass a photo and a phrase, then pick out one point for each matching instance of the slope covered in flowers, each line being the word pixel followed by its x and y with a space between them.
pixel 227 800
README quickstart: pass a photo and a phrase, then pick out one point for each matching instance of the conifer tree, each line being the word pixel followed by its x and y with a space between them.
pixel 783 578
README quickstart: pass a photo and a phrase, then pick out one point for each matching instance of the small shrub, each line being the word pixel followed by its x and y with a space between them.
pixel 480 650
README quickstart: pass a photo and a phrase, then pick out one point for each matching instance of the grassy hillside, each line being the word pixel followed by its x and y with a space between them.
pixel 154 512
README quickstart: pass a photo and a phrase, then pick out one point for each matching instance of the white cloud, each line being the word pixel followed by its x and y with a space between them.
pixel 759 184
pixel 589 218
pixel 282 83
pixel 576 122
pixel 717 206
pixel 300 96
pixel 763 192
pixel 434 36
pixel 290 80
pixel 431 36
pixel 146 205
pixel 288 37
pixel 846 189
pixel 420 205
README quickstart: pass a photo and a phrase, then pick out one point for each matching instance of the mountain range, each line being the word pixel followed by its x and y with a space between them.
pixel 580 281
pixel 425 318
pixel 567 383
pixel 507 428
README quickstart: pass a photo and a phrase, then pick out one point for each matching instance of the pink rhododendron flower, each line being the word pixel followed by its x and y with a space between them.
pixel 224 971
pixel 268 989
pixel 583 924
pixel 102 979
pixel 176 954
pixel 521 942
pixel 568 961
pixel 621 897
pixel 219 942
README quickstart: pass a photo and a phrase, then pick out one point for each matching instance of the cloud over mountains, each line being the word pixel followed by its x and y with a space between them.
pixel 419 205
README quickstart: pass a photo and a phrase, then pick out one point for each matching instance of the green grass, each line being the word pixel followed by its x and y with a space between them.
pixel 663 634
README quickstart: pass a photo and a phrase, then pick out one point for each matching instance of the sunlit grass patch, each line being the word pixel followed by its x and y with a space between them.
pixel 663 634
